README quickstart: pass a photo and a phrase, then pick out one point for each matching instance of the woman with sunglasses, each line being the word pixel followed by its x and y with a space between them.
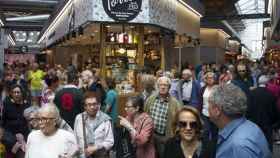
pixel 140 125
pixel 187 142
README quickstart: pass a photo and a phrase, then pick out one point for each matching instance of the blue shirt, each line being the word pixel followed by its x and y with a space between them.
pixel 111 100
pixel 242 138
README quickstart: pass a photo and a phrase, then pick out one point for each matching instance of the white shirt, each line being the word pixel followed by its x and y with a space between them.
pixel 103 135
pixel 205 106
pixel 187 91
pixel 41 146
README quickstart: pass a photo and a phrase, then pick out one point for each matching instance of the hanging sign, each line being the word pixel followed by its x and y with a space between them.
pixel 122 10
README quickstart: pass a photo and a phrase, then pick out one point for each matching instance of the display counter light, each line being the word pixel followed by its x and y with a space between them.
pixel 121 50
pixel 190 8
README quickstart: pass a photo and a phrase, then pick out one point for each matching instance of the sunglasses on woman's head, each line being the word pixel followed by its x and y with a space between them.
pixel 191 124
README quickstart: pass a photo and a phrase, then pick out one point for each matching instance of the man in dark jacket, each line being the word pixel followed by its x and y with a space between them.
pixel 188 90
pixel 263 110
pixel 69 100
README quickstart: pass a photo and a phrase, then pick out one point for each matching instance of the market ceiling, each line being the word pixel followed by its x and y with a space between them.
pixel 235 11
pixel 25 18
pixel 26 14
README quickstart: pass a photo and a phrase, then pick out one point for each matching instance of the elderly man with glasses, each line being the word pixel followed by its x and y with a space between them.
pixel 162 107
pixel 50 141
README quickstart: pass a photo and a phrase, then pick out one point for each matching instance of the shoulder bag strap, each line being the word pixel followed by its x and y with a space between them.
pixel 84 130
pixel 84 133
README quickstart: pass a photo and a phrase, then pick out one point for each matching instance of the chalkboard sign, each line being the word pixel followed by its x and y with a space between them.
pixel 122 10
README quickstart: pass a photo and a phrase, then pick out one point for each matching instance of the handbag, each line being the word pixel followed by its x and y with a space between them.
pixel 123 146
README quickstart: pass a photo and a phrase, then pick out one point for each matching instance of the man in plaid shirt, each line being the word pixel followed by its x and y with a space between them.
pixel 162 107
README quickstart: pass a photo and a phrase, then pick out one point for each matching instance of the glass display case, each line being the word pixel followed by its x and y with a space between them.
pixel 121 49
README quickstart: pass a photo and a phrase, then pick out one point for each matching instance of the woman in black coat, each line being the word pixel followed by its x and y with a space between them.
pixel 14 122
pixel 187 143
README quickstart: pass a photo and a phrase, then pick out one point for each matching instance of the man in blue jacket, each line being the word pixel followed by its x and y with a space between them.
pixel 188 90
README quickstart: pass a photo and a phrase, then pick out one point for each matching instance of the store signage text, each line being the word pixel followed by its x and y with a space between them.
pixel 122 10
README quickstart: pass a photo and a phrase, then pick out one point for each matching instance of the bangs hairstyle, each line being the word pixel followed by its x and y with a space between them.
pixel 90 94
pixel 196 115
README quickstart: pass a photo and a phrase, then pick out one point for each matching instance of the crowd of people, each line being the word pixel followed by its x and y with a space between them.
pixel 207 111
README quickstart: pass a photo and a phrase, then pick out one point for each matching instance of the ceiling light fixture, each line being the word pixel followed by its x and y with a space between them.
pixel 56 20
pixel 190 8
pixel 1 23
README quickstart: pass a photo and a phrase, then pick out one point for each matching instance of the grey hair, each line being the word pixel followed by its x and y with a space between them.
pixel 230 98
pixel 164 78
pixel 51 108
pixel 27 112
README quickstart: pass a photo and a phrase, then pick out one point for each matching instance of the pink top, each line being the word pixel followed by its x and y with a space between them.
pixel 273 88
pixel 143 139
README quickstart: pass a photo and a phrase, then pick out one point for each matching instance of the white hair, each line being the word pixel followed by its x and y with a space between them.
pixel 52 109
pixel 87 73
pixel 263 80
pixel 167 79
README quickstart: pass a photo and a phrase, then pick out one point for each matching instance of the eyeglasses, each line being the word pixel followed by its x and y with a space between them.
pixel 92 104
pixel 16 92
pixel 184 124
pixel 127 107
pixel 45 119
pixel 33 119
pixel 241 70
